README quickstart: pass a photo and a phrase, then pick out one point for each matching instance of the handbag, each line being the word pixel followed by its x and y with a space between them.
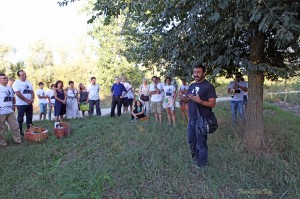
pixel 207 124
pixel 144 97
pixel 84 106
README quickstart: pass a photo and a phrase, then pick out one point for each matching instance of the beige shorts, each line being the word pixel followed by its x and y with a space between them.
pixel 156 107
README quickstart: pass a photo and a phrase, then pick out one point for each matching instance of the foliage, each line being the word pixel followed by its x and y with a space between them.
pixel 111 62
pixel 144 160
pixel 14 68
pixel 6 51
pixel 176 34
pixel 41 56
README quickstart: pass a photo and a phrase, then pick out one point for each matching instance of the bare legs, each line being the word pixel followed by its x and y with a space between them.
pixel 171 116
pixel 158 117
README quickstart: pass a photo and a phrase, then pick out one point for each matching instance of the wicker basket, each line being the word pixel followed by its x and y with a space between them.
pixel 63 131
pixel 36 134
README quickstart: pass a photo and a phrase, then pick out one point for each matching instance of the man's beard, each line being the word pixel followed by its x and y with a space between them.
pixel 199 79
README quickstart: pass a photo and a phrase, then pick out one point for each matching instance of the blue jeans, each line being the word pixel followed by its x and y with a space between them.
pixel 197 141
pixel 24 109
pixel 92 103
pixel 237 106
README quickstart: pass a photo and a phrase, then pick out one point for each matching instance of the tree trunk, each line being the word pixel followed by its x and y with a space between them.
pixel 254 132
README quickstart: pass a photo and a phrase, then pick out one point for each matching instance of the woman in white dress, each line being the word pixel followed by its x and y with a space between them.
pixel 169 101
pixel 72 101
pixel 144 90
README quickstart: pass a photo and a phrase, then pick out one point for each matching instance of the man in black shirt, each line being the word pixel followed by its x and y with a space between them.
pixel 202 96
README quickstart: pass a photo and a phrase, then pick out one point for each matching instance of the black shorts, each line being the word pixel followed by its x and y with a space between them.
pixel 130 101
pixel 125 102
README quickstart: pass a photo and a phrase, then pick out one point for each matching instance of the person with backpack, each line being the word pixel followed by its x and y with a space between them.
pixel 202 98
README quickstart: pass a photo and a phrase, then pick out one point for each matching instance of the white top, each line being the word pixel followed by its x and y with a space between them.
pixel 25 89
pixel 182 88
pixel 41 92
pixel 6 100
pixel 130 94
pixel 50 94
pixel 238 94
pixel 169 91
pixel 144 89
pixel 94 91
pixel 72 93
pixel 127 87
pixel 156 97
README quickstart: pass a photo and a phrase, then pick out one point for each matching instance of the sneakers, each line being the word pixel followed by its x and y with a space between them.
pixel 134 121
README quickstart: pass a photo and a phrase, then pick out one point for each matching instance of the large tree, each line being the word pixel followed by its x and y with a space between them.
pixel 225 35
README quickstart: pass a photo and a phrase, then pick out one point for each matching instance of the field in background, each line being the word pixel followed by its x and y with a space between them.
pixel 112 158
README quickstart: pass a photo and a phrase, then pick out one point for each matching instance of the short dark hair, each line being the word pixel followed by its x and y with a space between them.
pixel 57 82
pixel 200 66
pixel 155 77
pixel 2 74
pixel 93 78
pixel 71 82
pixel 52 85
pixel 41 83
pixel 18 73
pixel 168 78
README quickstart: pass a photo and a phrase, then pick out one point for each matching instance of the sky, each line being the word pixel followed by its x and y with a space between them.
pixel 23 22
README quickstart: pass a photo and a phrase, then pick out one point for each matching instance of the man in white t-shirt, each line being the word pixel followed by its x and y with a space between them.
pixel 7 107
pixel 236 89
pixel 125 100
pixel 94 98
pixel 42 100
pixel 24 99
pixel 51 99
pixel 156 99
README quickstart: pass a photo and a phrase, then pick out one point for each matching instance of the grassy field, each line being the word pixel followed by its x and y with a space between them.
pixel 112 158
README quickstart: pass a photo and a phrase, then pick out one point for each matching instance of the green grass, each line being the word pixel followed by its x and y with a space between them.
pixel 112 158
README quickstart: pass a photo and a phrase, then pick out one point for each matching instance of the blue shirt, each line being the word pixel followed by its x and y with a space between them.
pixel 117 89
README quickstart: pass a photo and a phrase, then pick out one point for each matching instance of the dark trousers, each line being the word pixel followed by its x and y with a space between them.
pixel 24 109
pixel 92 104
pixel 116 101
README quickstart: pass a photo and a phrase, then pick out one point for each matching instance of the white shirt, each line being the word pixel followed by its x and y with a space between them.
pixel 6 100
pixel 182 88
pixel 156 97
pixel 127 87
pixel 239 94
pixel 169 91
pixel 41 92
pixel 25 89
pixel 72 93
pixel 50 94
pixel 93 91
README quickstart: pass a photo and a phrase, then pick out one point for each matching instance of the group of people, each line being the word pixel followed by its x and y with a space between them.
pixel 69 101
pixel 196 99
pixel 20 95
pixel 153 98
